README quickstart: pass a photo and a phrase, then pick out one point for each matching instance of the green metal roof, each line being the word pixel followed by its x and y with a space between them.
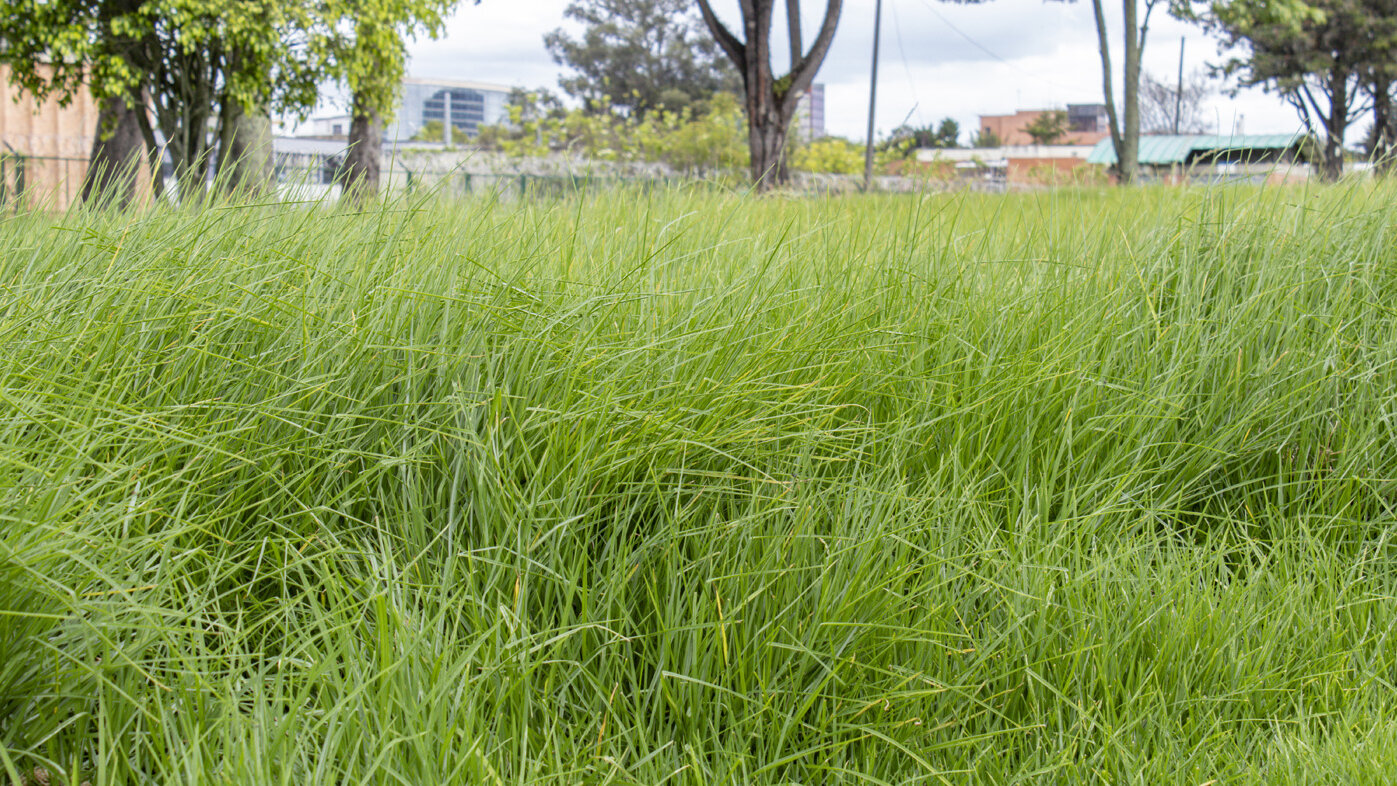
pixel 1168 149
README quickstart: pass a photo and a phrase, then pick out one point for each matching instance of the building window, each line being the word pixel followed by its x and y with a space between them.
pixel 467 108
pixel 336 129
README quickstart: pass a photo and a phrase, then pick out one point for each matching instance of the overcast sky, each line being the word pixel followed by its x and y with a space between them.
pixel 938 59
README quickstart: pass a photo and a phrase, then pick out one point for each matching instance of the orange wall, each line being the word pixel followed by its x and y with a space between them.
pixel 1010 129
pixel 46 130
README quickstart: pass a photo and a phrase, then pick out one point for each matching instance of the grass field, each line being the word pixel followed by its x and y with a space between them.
pixel 1067 487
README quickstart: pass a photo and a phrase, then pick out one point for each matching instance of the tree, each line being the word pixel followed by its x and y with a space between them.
pixel 116 156
pixel 1380 143
pixel 1379 81
pixel 1125 136
pixel 1048 127
pixel 831 154
pixel 638 55
pixel 1316 54
pixel 770 101
pixel 190 69
pixel 906 139
pixel 435 131
pixel 366 47
pixel 1175 109
pixel 985 139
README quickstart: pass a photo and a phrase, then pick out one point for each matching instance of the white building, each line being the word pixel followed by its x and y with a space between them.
pixel 809 121
pixel 331 126
pixel 466 105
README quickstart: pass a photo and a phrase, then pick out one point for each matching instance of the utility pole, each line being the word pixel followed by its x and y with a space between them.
pixel 872 99
pixel 1179 96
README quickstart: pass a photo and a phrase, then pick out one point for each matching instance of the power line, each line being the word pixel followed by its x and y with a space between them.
pixel 911 83
pixel 989 52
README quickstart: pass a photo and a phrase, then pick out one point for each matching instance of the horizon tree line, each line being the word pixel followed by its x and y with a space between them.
pixel 206 75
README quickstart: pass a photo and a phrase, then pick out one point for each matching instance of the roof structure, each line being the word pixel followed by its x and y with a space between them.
pixel 1167 149
pixel 418 80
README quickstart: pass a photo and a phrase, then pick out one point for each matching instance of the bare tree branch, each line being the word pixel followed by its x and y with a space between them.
pixel 804 73
pixel 733 48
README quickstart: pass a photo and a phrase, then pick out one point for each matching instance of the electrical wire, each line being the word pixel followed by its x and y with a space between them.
pixel 992 54
pixel 907 67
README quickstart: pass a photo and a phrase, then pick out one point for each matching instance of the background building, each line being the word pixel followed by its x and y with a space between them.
pixel 1213 158
pixel 465 105
pixel 1088 119
pixel 470 105
pixel 1087 125
pixel 810 114
pixel 333 126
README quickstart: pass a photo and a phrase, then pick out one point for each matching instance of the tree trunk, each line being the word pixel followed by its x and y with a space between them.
pixel 362 161
pixel 770 102
pixel 116 156
pixel 1108 90
pixel 244 150
pixel 766 140
pixel 1129 151
pixel 1331 165
pixel 1384 152
pixel 793 32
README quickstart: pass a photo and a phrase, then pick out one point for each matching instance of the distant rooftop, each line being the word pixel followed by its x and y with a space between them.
pixel 417 80
pixel 1166 149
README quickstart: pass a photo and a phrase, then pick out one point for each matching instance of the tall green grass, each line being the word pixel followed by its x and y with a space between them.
pixel 689 489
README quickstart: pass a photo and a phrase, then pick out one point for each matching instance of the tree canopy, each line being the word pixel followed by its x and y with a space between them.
pixel 638 55
pixel 1316 54
pixel 1048 127
pixel 1171 108
pixel 199 64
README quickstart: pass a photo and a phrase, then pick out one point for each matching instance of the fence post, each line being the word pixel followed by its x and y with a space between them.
pixel 19 179
pixel 523 185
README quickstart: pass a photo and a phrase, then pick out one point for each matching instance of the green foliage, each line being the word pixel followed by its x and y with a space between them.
pixel 1048 127
pixel 1317 54
pixel 986 138
pixel 363 45
pixel 199 63
pixel 699 143
pixel 435 131
pixel 830 154
pixel 689 488
pixel 637 56
pixel 906 140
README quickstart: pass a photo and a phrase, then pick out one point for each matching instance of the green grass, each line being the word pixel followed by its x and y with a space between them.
pixel 1068 487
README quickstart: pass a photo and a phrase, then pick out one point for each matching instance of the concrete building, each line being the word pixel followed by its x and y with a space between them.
pixel 1016 165
pixel 465 105
pixel 469 105
pixel 330 127
pixel 1087 125
pixel 809 123
pixel 43 146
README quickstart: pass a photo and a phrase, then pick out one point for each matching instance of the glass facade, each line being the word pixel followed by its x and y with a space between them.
pixel 472 105
pixel 467 109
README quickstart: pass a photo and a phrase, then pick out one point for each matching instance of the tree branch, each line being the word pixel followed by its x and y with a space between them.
pixel 733 48
pixel 794 32
pixel 1104 44
pixel 804 72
